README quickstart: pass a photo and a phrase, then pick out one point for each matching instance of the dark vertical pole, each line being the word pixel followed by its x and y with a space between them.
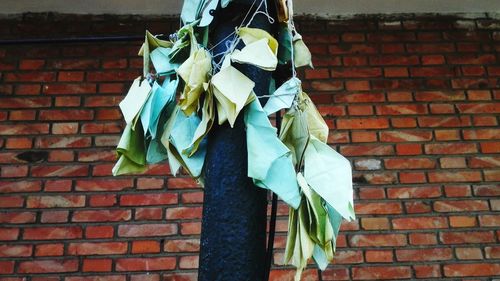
pixel 233 236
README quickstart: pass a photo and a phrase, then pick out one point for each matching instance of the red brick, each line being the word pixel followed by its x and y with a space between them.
pixel 450 148
pixel 486 190
pixel 65 128
pixel 427 271
pixel 364 72
pixel 73 64
pixel 103 185
pixel 11 201
pixel 148 199
pixel 357 85
pixel 102 248
pixel 378 208
pixel 184 213
pixel 492 252
pixel 192 197
pixel 374 223
pixel 476 269
pixel 409 163
pixel 147 230
pixel 20 115
pixel 102 101
pixel 371 193
pixel 24 129
pixel 97 278
pixel 414 192
pixel 28 89
pixel 436 254
pixel 375 256
pixel 363 123
pixel 181 183
pixel 464 176
pixel 62 201
pixel 17 217
pixel 12 251
pixel 361 150
pixel 94 232
pixel 489 220
pixel 325 85
pixel 423 238
pixel 441 122
pixel 52 233
pixel 65 115
pixel 57 185
pixel 412 177
pixel 479 108
pixel 70 89
pixel 70 76
pixel 48 266
pixel 14 171
pixel 452 162
pixel 63 142
pixel 331 110
pixel 419 223
pixel 433 96
pixel 9 234
pixel 468 237
pixel 446 135
pixel 60 171
pixel 478 95
pixel 462 221
pixel 408 149
pixel 484 121
pixel 67 101
pixel 460 206
pixel 145 247
pixel 54 216
pixel 432 59
pixel 97 265
pixel 416 207
pixel 442 109
pixel 377 240
pixel 149 214
pixel 490 147
pixel 108 114
pixel 32 76
pixel 49 250
pixel 381 272
pixel 318 73
pixel 371 97
pixel 103 200
pixel 143 264
pixel 101 216
pixel 457 190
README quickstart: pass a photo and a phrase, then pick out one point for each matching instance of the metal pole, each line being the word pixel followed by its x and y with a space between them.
pixel 233 236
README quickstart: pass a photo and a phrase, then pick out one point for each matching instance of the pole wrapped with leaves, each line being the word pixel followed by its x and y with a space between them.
pixel 171 109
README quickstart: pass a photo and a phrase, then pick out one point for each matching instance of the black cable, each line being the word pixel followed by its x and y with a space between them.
pixel 65 40
pixel 272 222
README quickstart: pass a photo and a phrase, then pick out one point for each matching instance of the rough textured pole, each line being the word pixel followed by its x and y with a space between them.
pixel 233 236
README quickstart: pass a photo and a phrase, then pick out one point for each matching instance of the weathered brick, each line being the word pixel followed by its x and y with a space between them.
pixel 48 266
pixel 419 223
pixel 143 264
pixel 147 230
pixel 102 248
pixel 436 254
pixel 381 272
pixel 101 216
pixel 476 269
pixel 467 237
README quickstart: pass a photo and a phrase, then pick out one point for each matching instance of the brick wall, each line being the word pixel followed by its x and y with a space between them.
pixel 412 102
